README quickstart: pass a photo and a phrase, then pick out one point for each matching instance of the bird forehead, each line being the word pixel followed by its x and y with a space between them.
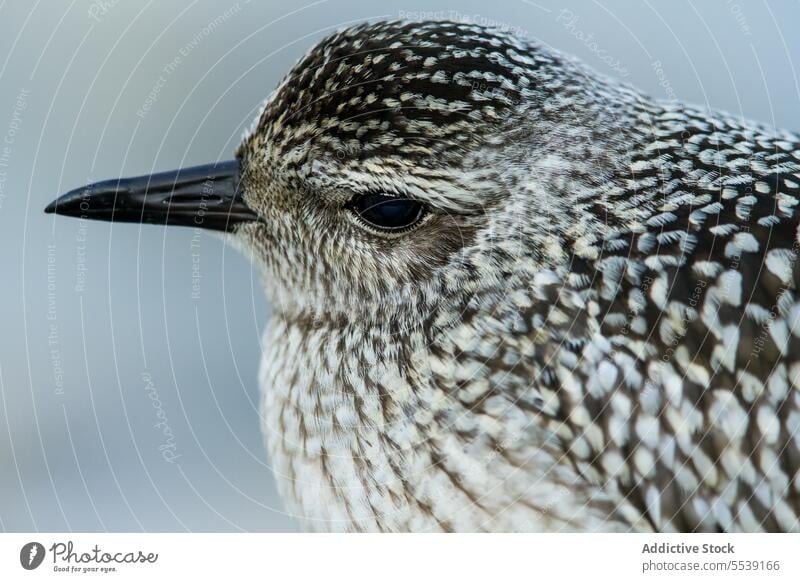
pixel 394 88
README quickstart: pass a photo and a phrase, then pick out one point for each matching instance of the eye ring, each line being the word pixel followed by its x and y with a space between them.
pixel 387 214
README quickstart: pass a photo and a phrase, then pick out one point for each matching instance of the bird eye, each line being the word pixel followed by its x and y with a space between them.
pixel 388 213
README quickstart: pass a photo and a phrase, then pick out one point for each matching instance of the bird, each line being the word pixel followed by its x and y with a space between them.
pixel 508 293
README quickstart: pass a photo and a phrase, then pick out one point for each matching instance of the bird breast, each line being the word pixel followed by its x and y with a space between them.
pixel 364 435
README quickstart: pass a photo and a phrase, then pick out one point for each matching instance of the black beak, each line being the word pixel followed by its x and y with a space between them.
pixel 203 196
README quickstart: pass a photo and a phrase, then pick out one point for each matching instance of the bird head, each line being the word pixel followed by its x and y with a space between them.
pixel 395 161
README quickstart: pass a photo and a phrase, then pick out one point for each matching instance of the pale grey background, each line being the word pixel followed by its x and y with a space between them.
pixel 88 459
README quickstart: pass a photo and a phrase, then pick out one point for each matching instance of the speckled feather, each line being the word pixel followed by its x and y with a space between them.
pixel 595 326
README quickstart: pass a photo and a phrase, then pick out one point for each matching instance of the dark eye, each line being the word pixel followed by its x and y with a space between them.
pixel 387 212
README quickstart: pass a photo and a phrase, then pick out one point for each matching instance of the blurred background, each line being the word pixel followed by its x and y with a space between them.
pixel 129 355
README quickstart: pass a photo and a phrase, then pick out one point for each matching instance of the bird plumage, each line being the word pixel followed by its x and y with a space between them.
pixel 591 323
pixel 599 334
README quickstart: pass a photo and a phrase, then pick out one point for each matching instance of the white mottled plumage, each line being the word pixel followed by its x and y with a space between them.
pixel 594 326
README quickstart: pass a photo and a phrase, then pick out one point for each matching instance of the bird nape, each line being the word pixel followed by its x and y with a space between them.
pixel 508 294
